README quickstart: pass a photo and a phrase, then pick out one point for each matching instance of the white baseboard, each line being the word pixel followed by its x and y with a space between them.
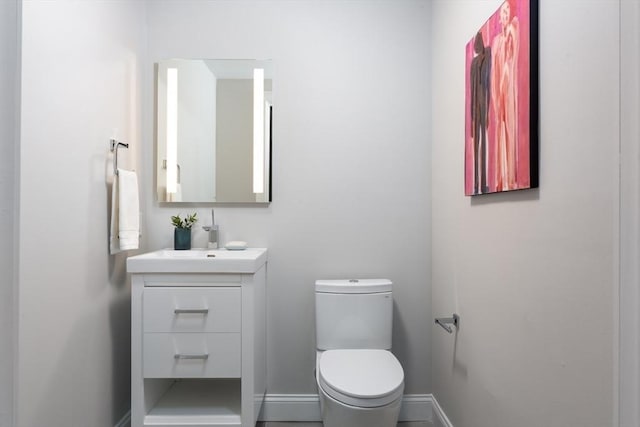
pixel 416 407
pixel 290 407
pixel 306 408
pixel 440 419
pixel 125 421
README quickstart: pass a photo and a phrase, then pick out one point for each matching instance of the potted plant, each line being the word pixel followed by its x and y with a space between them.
pixel 182 232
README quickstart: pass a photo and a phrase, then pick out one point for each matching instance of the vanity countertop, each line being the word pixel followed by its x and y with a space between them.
pixel 198 261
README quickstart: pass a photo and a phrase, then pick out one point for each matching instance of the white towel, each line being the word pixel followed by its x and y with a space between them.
pixel 125 212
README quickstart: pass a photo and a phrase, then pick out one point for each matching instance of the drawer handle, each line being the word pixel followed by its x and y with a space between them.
pixel 204 356
pixel 191 311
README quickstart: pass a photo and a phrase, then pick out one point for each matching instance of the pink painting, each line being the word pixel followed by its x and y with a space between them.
pixel 501 150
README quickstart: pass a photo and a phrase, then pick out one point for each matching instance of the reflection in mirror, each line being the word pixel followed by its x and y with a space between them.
pixel 213 134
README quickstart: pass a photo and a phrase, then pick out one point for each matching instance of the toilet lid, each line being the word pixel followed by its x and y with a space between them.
pixel 366 378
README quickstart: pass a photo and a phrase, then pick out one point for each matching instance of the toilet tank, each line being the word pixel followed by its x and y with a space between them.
pixel 353 314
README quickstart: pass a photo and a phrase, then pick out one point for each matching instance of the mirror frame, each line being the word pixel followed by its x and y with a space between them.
pixel 225 73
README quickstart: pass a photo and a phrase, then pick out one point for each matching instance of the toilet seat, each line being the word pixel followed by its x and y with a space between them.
pixel 364 378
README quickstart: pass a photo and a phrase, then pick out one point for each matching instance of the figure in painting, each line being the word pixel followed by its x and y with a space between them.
pixel 480 80
pixel 504 97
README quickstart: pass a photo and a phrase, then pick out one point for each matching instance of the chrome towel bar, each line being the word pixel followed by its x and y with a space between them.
pixel 114 149
pixel 446 321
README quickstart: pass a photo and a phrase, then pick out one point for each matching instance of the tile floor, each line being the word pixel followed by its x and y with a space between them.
pixel 282 424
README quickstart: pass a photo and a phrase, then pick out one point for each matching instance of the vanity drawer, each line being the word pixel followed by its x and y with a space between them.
pixel 191 355
pixel 191 309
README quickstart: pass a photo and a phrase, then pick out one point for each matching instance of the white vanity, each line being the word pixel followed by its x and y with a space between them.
pixel 198 337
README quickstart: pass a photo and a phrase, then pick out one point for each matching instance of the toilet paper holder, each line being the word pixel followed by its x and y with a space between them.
pixel 446 321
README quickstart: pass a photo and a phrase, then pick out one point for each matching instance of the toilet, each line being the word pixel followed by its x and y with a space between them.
pixel 360 382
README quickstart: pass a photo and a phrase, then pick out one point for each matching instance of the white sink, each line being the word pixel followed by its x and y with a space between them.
pixel 198 261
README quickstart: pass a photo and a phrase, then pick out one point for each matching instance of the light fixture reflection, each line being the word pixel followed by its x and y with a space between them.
pixel 172 130
pixel 258 130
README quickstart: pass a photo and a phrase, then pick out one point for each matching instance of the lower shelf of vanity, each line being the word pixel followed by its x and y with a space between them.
pixel 198 402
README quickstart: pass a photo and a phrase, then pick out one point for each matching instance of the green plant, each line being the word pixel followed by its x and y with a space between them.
pixel 186 223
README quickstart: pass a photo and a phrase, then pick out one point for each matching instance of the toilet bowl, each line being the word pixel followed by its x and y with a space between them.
pixel 360 382
pixel 359 387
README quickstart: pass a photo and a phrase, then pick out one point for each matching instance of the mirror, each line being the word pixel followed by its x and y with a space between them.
pixel 213 130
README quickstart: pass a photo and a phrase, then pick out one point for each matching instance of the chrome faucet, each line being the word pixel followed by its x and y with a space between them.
pixel 213 232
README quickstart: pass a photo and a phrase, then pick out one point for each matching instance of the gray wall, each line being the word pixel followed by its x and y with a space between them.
pixel 351 168
pixel 8 135
pixel 80 80
pixel 532 274
pixel 629 391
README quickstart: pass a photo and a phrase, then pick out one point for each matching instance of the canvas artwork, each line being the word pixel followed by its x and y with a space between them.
pixel 501 144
